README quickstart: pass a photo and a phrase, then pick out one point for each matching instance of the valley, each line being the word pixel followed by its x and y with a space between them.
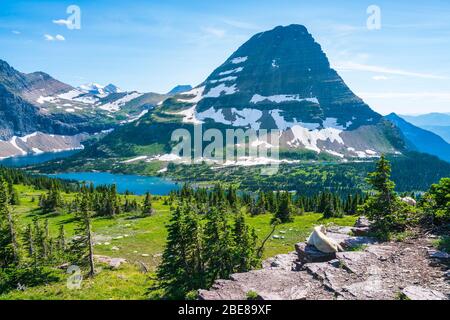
pixel 126 195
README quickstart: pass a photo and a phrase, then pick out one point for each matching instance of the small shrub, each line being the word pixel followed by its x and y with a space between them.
pixel 252 295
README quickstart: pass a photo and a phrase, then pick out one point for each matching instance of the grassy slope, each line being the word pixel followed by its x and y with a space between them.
pixel 140 236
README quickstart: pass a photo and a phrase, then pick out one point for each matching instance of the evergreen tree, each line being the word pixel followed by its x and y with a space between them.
pixel 218 251
pixel 384 207
pixel 9 246
pixel 181 269
pixel 82 245
pixel 284 210
pixel 245 251
pixel 61 240
pixel 147 208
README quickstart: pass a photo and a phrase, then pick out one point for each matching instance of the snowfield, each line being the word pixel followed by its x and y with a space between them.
pixel 116 105
pixel 282 98
pixel 219 90
pixel 309 139
pixel 239 60
pixel 224 73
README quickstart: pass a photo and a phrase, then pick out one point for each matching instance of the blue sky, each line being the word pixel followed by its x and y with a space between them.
pixel 153 45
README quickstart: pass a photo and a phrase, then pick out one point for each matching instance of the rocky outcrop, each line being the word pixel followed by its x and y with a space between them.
pixel 376 271
pixel 38 143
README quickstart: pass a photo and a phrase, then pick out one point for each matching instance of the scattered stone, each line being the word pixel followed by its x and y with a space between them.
pixel 438 255
pixel 276 236
pixel 112 262
pixel 145 255
pixel 421 293
pixel 106 243
pixel 362 222
pixel 115 248
pixel 118 238
pixel 361 231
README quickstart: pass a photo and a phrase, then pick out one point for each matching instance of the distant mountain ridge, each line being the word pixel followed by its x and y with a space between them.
pixel 420 139
pixel 438 123
pixel 37 103
pixel 180 89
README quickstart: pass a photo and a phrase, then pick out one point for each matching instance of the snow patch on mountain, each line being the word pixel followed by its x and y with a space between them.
pixel 196 92
pixel 282 98
pixel 116 105
pixel 309 139
pixel 247 117
pixel 189 116
pixel 42 100
pixel 216 115
pixel 239 60
pixel 230 78
pixel 219 90
pixel 224 73
pixel 13 142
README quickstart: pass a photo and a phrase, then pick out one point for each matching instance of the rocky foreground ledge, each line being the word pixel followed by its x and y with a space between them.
pixel 366 270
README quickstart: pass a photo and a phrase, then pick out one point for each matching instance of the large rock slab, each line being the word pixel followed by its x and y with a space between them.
pixel 348 242
pixel 420 293
pixel 308 254
pixel 272 284
pixel 281 261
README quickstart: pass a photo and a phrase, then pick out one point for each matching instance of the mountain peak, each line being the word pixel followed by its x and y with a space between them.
pixel 283 74
pixel 180 89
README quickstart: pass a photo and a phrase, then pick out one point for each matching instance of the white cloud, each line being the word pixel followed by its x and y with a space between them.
pixel 62 22
pixel 379 78
pixel 405 95
pixel 16 32
pixel 58 37
pixel 352 66
pixel 240 24
pixel 219 33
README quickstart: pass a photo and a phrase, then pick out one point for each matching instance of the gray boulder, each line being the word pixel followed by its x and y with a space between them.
pixel 421 293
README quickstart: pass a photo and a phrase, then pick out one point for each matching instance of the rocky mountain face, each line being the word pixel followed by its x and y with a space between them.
pixel 421 140
pixel 279 79
pixel 37 103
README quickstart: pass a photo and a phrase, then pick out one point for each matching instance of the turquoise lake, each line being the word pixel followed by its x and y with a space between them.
pixel 136 184
pixel 28 160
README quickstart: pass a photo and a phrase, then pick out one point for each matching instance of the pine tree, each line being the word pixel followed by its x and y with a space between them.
pixel 218 253
pixel 182 268
pixel 28 241
pixel 147 208
pixel 245 251
pixel 384 208
pixel 82 245
pixel 284 211
pixel 9 246
pixel 61 240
